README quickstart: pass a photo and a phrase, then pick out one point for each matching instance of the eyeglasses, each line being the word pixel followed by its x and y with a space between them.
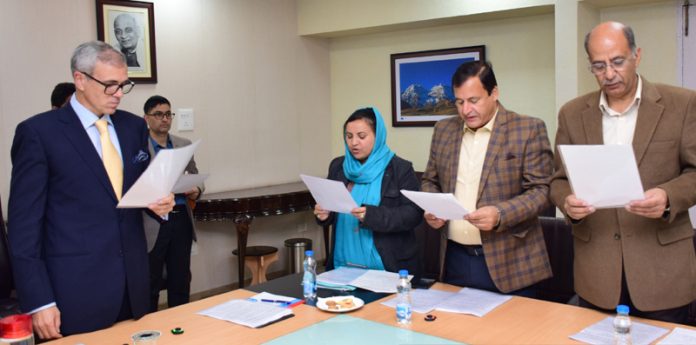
pixel 618 64
pixel 160 115
pixel 111 89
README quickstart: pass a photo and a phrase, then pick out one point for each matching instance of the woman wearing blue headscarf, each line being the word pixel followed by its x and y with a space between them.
pixel 380 233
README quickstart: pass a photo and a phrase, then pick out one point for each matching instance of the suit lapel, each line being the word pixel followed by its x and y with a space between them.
pixel 77 136
pixel 495 144
pixel 592 121
pixel 127 150
pixel 649 114
pixel 454 144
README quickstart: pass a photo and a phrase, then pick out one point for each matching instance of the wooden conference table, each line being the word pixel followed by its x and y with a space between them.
pixel 518 321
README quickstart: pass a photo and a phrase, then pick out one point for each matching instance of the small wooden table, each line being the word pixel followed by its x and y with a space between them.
pixel 242 206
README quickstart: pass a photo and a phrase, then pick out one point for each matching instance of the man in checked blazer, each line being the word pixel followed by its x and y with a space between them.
pixel 641 255
pixel 498 164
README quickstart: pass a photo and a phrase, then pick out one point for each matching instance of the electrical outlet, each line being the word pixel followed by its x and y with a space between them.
pixel 194 248
pixel 302 227
pixel 185 119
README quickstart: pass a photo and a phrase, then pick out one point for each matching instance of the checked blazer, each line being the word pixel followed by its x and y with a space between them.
pixel 515 178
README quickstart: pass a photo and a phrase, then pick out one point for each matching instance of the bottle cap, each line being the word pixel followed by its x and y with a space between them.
pixel 622 309
pixel 15 326
pixel 309 253
pixel 403 273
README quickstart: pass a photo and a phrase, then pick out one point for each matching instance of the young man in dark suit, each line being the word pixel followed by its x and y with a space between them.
pixel 169 244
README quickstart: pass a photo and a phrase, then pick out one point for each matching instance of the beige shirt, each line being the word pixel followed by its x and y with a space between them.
pixel 618 127
pixel 471 157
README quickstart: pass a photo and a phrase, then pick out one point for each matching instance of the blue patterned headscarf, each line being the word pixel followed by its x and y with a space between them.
pixel 357 247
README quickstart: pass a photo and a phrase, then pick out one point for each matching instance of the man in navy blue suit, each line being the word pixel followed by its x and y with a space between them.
pixel 80 263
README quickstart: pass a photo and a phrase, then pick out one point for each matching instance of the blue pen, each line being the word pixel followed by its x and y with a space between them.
pixel 275 301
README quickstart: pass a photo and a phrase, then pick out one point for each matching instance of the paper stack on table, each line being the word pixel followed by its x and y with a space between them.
pixel 373 280
pixel 602 332
pixel 248 313
pixel 465 301
pixel 679 336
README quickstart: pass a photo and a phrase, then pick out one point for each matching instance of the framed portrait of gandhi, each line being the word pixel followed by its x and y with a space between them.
pixel 129 26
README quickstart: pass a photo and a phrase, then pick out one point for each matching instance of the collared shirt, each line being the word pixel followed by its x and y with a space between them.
pixel 87 118
pixel 471 158
pixel 618 127
pixel 179 199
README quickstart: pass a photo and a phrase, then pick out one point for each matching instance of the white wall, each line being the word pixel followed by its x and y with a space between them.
pixel 260 94
pixel 521 50
pixel 539 59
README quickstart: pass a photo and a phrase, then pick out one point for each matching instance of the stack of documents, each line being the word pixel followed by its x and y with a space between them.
pixel 373 280
pixel 602 332
pixel 466 301
pixel 679 336
pixel 248 313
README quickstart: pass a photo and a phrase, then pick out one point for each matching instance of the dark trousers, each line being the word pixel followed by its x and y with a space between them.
pixel 173 251
pixel 466 266
pixel 675 315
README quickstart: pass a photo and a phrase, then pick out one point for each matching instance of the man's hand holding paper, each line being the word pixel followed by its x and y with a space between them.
pixel 157 182
pixel 443 206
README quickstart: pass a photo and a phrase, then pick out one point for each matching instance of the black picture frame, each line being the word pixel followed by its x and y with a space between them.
pixel 136 28
pixel 421 93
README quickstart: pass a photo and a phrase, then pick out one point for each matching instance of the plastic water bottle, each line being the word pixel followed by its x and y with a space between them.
pixel 309 279
pixel 622 326
pixel 403 304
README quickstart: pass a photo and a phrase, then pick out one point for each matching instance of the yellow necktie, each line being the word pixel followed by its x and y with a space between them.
pixel 112 161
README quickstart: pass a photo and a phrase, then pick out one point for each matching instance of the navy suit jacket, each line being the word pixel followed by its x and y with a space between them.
pixel 69 243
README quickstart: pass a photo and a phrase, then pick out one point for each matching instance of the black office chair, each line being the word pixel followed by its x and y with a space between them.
pixel 559 245
pixel 8 305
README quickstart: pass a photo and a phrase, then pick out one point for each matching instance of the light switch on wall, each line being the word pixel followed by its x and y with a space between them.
pixel 185 122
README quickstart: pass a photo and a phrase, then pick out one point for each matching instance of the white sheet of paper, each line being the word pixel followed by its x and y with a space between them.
pixel 602 332
pixel 247 313
pixel 423 301
pixel 378 281
pixel 605 176
pixel 473 301
pixel 159 178
pixel 186 182
pixel 679 336
pixel 692 216
pixel 340 276
pixel 442 205
pixel 331 195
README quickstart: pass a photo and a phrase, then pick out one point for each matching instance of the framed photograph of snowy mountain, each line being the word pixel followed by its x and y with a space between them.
pixel 421 90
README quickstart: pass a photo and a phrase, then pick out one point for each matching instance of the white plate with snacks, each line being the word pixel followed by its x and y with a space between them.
pixel 340 304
